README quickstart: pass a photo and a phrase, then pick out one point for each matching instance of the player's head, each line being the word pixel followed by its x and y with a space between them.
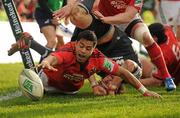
pixel 85 45
pixel 157 30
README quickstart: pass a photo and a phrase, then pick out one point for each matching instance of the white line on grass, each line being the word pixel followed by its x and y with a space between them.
pixel 11 95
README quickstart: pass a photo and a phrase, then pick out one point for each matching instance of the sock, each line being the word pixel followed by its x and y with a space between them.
pixel 157 58
pixel 46 53
pixel 43 51
pixel 37 47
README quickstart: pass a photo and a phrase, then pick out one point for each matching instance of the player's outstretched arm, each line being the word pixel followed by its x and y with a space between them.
pixel 48 63
pixel 136 83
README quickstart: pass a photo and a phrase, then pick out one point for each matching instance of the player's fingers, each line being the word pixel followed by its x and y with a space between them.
pixel 14 48
pixel 153 94
pixel 52 68
pixel 38 66
pixel 98 14
pixel 158 96
pixel 34 68
pixel 59 15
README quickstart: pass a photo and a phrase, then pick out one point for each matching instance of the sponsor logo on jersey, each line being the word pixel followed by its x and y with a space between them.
pixel 108 64
pixel 74 77
pixel 118 4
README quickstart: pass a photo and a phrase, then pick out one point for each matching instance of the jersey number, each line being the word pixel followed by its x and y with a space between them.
pixel 176 52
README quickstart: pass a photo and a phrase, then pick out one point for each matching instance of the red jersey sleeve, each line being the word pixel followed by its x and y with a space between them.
pixel 99 62
pixel 107 65
pixel 137 4
pixel 59 56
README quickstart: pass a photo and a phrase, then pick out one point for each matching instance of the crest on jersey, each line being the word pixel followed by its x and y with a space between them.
pixel 138 2
pixel 108 65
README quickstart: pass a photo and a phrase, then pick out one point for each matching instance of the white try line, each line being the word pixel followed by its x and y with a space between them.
pixel 11 95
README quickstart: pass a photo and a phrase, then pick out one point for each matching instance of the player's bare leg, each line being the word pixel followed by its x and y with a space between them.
pixel 151 82
pixel 60 41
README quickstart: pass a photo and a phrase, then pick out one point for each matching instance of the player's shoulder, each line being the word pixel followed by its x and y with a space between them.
pixel 97 54
pixel 69 47
pixel 66 51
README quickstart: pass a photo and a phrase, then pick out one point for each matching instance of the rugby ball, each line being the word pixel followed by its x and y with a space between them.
pixel 31 85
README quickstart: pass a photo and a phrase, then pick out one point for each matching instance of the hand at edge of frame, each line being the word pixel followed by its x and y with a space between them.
pixel 152 94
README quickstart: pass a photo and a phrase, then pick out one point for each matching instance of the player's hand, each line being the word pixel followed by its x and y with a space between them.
pixel 55 21
pixel 22 43
pixel 98 14
pixel 46 65
pixel 107 19
pixel 152 94
pixel 62 13
pixel 99 90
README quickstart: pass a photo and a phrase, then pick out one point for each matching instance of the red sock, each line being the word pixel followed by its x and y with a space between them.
pixel 157 58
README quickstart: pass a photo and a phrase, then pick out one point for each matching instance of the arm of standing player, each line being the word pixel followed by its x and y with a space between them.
pixel 65 11
pixel 136 83
pixel 97 89
pixel 120 18
pixel 48 63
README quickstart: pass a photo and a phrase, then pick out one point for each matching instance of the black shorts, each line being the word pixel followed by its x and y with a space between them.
pixel 42 18
pixel 119 48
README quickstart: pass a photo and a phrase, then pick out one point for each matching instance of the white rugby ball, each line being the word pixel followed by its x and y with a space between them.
pixel 31 85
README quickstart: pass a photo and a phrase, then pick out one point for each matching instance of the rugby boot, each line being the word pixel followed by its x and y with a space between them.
pixel 169 84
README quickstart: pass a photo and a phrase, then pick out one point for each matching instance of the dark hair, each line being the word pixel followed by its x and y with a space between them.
pixel 158 30
pixel 87 35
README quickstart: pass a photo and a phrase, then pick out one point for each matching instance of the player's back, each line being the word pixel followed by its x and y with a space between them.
pixel 171 52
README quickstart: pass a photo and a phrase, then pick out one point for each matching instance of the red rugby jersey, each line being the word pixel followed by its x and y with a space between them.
pixel 171 53
pixel 70 75
pixel 113 7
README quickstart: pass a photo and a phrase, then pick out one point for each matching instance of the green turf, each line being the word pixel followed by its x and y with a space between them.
pixel 84 104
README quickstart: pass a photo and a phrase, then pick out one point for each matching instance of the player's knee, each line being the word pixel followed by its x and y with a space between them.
pixel 133 68
pixel 52 43
pixel 129 65
pixel 143 35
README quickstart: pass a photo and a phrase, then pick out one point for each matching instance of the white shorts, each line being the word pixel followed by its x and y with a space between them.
pixel 51 89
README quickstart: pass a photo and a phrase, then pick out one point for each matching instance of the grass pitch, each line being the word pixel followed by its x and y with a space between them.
pixel 84 104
